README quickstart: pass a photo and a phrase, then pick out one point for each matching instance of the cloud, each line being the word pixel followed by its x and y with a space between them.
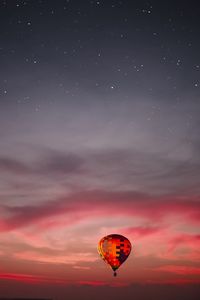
pixel 110 169
pixel 94 204
pixel 184 240
pixel 14 166
pixel 50 163
pixel 41 280
pixel 60 163
pixel 142 231
pixel 61 257
pixel 180 270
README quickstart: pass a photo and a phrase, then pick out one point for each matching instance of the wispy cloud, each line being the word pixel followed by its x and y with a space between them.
pixel 98 203
pixel 180 270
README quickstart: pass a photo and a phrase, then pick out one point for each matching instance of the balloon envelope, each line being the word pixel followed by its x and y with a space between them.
pixel 114 250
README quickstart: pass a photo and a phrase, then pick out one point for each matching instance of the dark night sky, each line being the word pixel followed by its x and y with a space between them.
pixel 99 133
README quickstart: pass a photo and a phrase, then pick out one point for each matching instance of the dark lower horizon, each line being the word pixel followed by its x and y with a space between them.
pixel 137 292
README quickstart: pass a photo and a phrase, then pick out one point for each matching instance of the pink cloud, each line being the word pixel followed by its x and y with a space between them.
pixel 97 204
pixel 68 259
pixel 179 270
pixel 191 241
pixel 26 278
pixel 23 277
pixel 141 231
pixel 174 281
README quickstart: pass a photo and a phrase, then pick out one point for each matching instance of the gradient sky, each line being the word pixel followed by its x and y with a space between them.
pixel 99 134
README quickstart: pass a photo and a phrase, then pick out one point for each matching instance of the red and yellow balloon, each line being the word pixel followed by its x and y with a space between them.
pixel 114 249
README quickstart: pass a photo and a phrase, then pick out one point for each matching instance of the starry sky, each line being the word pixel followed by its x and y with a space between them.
pixel 99 134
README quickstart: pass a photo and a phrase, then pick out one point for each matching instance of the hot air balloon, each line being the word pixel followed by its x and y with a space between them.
pixel 114 249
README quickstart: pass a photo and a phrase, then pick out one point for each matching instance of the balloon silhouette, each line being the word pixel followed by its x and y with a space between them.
pixel 114 249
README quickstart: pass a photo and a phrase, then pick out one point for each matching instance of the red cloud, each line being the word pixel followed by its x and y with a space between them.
pixel 180 270
pixel 189 240
pixel 141 231
pixel 176 281
pixel 43 280
pixel 96 204
pixel 22 277
pixel 185 239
